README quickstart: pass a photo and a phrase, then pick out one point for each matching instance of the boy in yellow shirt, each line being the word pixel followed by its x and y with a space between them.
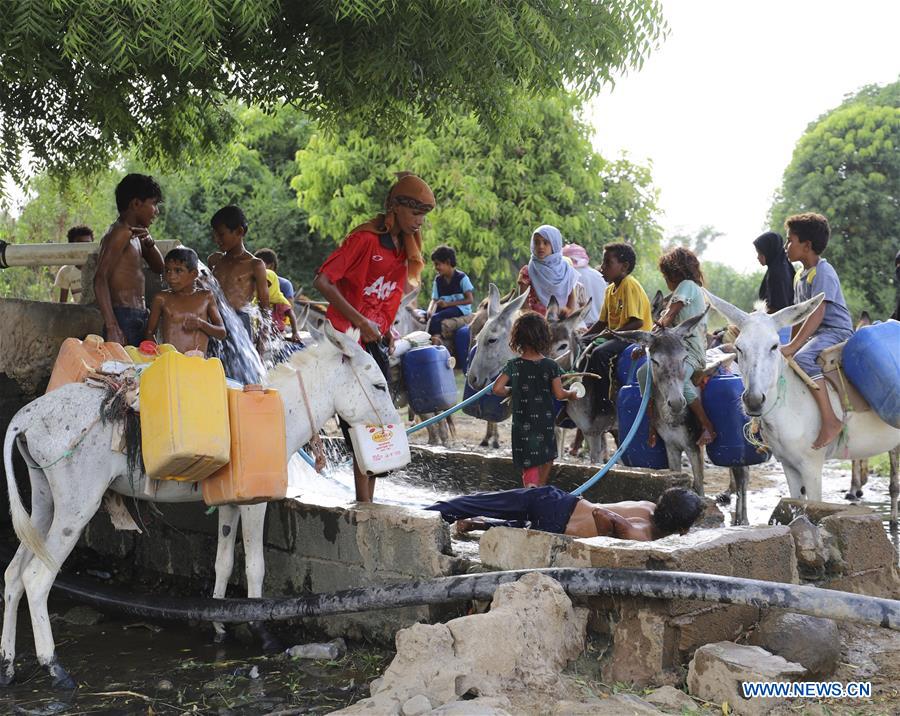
pixel 625 308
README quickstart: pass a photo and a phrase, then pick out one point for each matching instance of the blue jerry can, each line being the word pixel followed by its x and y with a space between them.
pixel 461 347
pixel 722 402
pixel 638 454
pixel 428 374
pixel 623 365
pixel 872 363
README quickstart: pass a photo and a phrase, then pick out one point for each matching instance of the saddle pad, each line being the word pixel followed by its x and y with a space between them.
pixel 831 360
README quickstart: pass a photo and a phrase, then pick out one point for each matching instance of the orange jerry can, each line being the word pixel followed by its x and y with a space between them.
pixel 257 471
pixel 78 358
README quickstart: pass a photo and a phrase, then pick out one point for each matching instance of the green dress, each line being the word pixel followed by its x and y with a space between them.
pixel 533 413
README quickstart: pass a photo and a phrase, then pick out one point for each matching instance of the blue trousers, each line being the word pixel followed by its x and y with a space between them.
pixel 434 325
pixel 819 341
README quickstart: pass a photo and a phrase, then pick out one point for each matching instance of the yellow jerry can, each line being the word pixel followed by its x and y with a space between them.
pixel 184 417
pixel 257 471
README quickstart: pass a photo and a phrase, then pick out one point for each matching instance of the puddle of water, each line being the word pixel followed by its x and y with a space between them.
pixel 124 667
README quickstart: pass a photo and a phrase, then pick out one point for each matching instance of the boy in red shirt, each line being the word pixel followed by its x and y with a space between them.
pixel 365 278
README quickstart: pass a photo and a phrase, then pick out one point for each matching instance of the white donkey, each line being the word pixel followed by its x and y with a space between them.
pixel 787 411
pixel 338 376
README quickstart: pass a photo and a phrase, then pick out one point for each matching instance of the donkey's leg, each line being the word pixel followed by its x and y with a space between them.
pixel 14 586
pixel 487 434
pixel 229 516
pixel 855 491
pixel 894 488
pixel 741 476
pixel 253 524
pixel 495 432
pixel 695 456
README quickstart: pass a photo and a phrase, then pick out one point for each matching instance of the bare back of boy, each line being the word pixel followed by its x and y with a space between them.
pixel 624 520
pixel 239 276
pixel 180 316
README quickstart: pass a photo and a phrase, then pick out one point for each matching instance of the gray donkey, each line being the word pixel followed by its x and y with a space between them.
pixel 667 360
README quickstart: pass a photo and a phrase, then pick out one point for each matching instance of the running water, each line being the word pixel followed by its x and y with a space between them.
pixel 237 352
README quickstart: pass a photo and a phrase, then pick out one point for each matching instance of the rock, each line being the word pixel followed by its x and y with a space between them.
pixel 492 706
pixel 668 698
pixel 618 705
pixel 808 545
pixel 415 706
pixel 254 673
pixel 867 562
pixel 717 671
pixel 787 510
pixel 810 641
pixel 165 685
pixel 531 632
pixel 82 616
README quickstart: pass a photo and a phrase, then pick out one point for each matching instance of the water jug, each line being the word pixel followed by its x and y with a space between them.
pixel 78 358
pixel 185 431
pixel 489 407
pixel 379 448
pixel 623 365
pixel 430 382
pixel 722 402
pixel 257 468
pixel 639 453
pixel 872 363
pixel 148 351
pixel 461 347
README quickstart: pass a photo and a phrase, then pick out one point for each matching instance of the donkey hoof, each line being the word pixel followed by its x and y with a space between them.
pixel 59 677
pixel 7 673
pixel 484 443
pixel 851 496
pixel 723 498
pixel 859 494
pixel 496 445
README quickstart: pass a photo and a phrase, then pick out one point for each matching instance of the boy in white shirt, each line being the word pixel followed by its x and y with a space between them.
pixel 68 278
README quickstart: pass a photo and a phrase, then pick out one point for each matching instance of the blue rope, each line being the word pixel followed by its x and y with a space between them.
pixel 628 438
pixel 440 416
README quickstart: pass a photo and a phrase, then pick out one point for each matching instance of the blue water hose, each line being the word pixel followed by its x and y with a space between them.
pixel 645 400
pixel 459 406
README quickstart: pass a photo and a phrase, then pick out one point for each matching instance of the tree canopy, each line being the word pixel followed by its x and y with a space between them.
pixel 847 167
pixel 86 80
pixel 491 194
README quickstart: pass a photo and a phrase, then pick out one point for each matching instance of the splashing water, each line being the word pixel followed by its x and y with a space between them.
pixel 236 351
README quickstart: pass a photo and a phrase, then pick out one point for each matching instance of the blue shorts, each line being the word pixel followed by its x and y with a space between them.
pixel 825 338
pixel 540 508
pixel 132 322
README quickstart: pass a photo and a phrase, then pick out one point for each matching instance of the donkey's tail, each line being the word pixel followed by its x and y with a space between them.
pixel 21 520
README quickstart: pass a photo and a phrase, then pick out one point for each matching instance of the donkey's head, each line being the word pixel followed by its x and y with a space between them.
pixel 757 346
pixel 493 339
pixel 352 377
pixel 563 338
pixel 407 320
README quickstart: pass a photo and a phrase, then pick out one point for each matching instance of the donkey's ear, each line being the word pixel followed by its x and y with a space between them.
pixel 640 337
pixel 552 310
pixel 493 307
pixel 577 316
pixel 346 343
pixel 732 313
pixel 516 304
pixel 313 326
pixel 687 327
pixel 410 298
pixel 797 313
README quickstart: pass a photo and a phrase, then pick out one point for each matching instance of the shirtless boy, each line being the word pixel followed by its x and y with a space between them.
pixel 119 280
pixel 188 316
pixel 241 275
pixel 553 510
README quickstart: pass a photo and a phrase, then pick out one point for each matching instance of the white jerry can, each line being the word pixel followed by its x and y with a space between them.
pixel 379 448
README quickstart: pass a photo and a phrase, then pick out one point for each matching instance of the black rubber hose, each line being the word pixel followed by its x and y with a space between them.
pixel 582 582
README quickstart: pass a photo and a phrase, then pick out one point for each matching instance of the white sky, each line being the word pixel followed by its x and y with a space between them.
pixel 719 107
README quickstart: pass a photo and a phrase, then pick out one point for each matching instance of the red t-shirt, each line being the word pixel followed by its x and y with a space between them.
pixel 371 275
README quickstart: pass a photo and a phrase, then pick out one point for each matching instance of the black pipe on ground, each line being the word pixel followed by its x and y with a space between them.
pixel 581 582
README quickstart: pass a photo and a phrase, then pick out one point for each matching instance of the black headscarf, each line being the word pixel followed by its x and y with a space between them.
pixel 777 287
pixel 896 315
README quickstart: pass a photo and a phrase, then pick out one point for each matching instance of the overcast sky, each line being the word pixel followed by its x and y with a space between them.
pixel 719 107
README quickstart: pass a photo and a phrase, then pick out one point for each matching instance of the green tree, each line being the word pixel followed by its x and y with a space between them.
pixel 490 194
pixel 739 289
pixel 847 167
pixel 86 80
pixel 697 242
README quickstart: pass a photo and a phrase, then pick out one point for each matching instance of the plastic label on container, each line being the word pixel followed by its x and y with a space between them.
pixel 380 448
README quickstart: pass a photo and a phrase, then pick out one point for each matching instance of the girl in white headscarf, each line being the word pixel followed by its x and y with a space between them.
pixel 548 273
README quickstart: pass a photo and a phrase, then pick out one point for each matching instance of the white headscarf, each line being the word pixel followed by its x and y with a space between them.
pixel 551 276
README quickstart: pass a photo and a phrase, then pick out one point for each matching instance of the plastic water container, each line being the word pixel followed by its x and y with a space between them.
pixel 185 433
pixel 784 335
pixel 623 365
pixel 77 358
pixel 639 453
pixel 257 468
pixel 872 363
pixel 461 347
pixel 148 351
pixel 379 448
pixel 429 379
pixel 722 402
pixel 489 407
